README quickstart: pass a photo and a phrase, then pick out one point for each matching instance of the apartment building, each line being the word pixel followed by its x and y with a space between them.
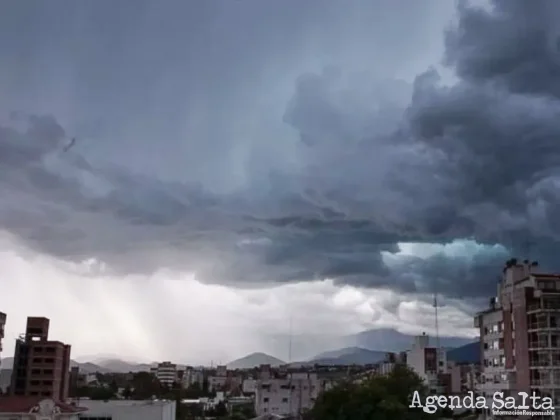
pixel 193 376
pixel 219 380
pixel 41 366
pixel 520 333
pixel 430 363
pixel 464 377
pixel 166 373
pixel 2 325
pixel 291 395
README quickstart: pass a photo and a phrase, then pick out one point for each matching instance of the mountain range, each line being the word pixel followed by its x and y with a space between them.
pixel 359 350
pixel 390 340
pixel 253 360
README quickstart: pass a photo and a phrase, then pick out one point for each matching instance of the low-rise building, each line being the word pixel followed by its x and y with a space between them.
pixel 292 395
pixel 249 386
pixel 193 376
pixel 127 410
pixel 37 408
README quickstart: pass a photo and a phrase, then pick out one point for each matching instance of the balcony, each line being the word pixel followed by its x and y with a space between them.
pixel 537 325
pixel 539 344
pixel 541 382
pixel 547 305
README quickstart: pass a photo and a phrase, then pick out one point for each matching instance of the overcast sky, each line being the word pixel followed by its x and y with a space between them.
pixel 241 163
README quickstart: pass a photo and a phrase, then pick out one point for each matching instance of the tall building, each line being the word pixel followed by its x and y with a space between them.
pixel 166 373
pixel 41 366
pixel 2 324
pixel 429 363
pixel 520 333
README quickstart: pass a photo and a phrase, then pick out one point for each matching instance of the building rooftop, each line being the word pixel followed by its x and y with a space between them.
pixel 18 404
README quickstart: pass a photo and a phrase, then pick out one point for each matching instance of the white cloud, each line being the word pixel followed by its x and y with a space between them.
pixel 171 315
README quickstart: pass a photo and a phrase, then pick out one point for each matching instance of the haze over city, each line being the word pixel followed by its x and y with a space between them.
pixel 247 170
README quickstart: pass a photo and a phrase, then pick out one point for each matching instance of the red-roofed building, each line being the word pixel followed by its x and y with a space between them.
pixel 37 408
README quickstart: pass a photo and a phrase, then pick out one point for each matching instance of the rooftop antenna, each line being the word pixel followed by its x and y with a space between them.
pixel 289 363
pixel 290 341
pixel 438 350
pixel 527 247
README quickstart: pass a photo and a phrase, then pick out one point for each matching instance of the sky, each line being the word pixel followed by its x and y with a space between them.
pixel 240 164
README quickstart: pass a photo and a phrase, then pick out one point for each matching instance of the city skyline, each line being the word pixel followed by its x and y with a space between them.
pixel 241 165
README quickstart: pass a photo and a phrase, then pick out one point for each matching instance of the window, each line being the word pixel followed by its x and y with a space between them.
pixel 265 399
pixel 284 400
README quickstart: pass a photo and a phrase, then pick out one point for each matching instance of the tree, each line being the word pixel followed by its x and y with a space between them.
pixel 127 393
pixel 379 397
pixel 101 393
pixel 145 385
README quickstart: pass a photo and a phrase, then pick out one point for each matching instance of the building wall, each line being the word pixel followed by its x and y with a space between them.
pixel 385 368
pixel 528 307
pixel 193 376
pixel 2 325
pixel 41 367
pixel 217 383
pixel 494 376
pixel 166 373
pixel 249 386
pixel 292 395
pixel 129 410
pixel 26 416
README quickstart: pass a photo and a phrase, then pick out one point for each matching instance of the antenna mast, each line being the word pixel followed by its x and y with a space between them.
pixel 528 245
pixel 290 341
pixel 291 391
pixel 438 350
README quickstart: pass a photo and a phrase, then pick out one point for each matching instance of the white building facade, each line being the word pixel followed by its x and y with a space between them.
pixel 427 362
pixel 292 395
pixel 166 373
pixel 128 410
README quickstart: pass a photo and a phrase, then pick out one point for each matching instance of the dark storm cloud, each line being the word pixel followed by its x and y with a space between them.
pixel 378 163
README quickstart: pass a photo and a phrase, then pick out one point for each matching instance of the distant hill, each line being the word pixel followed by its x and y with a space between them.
pixel 349 356
pixel 5 379
pixel 254 360
pixel 8 363
pixel 120 366
pixel 469 353
pixel 389 340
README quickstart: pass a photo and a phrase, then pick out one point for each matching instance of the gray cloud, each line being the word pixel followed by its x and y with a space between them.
pixel 375 163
